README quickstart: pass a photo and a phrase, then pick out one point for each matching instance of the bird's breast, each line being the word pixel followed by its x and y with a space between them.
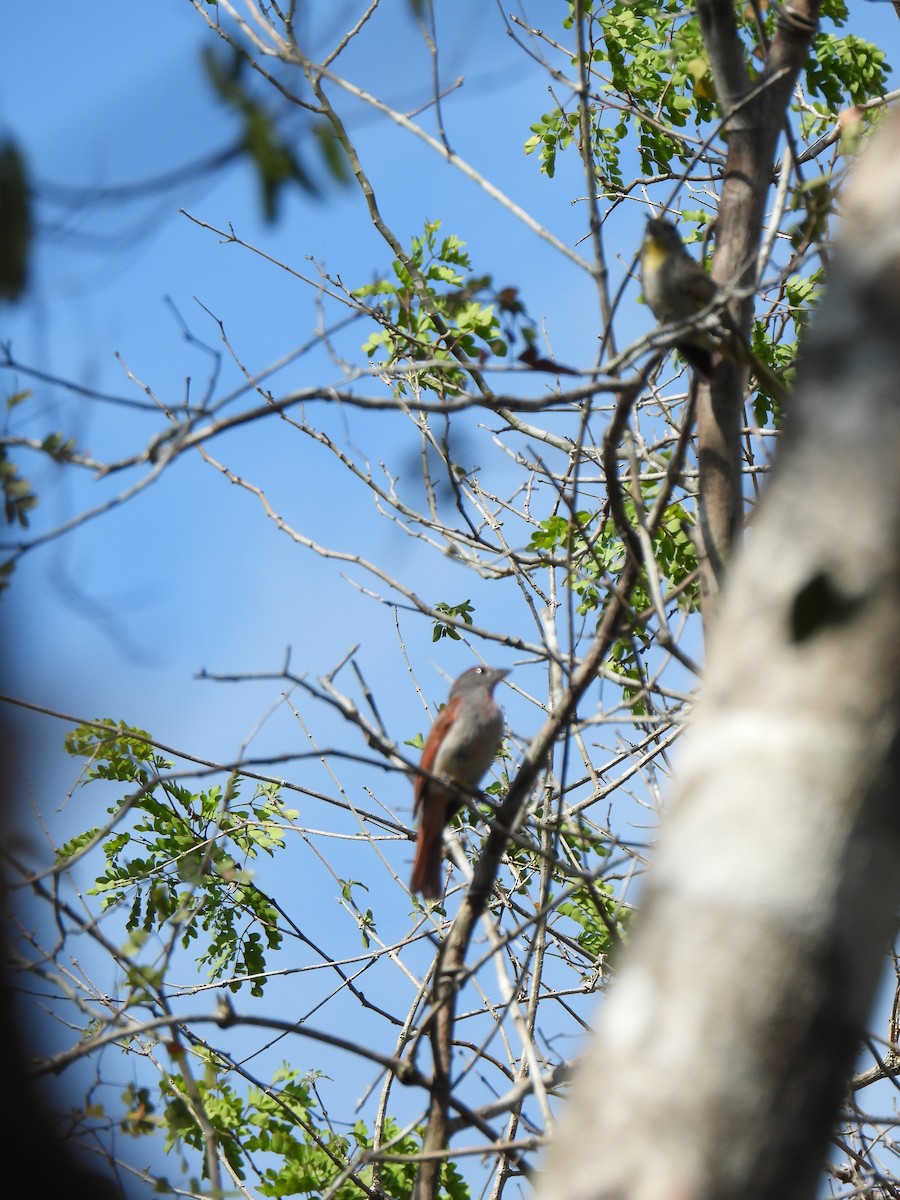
pixel 469 749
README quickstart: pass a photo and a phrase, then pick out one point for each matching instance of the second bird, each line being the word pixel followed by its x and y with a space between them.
pixel 676 288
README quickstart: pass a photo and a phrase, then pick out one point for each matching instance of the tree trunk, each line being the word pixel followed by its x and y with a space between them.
pixel 754 109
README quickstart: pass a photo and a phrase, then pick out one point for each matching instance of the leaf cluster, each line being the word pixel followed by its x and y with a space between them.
pixel 462 612
pixel 595 552
pixel 653 57
pixel 19 497
pixel 284 1121
pixel 453 322
pixel 273 155
pixel 183 863
pixel 652 78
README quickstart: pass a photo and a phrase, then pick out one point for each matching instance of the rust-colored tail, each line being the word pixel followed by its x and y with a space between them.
pixel 426 871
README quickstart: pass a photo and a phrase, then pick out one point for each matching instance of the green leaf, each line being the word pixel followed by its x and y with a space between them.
pixel 58 449
pixel 462 612
pixel 17 398
pixel 76 844
pixel 445 322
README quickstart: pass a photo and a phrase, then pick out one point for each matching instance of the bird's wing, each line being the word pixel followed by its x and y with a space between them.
pixel 432 745
pixel 701 288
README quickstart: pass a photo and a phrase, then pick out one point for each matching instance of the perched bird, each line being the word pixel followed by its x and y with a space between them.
pixel 463 743
pixel 677 288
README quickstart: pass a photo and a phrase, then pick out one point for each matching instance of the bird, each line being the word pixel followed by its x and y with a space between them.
pixel 677 288
pixel 462 744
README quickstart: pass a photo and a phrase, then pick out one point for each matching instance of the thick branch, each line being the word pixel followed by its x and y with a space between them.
pixel 754 120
